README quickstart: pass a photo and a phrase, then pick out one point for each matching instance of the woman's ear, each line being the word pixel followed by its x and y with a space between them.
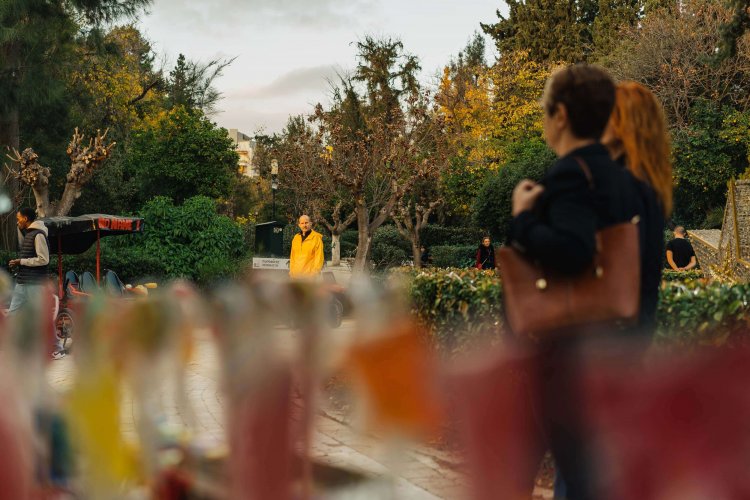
pixel 560 118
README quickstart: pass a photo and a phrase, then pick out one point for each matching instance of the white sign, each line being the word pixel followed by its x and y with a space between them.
pixel 268 263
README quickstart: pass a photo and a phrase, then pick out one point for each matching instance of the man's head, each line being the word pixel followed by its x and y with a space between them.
pixel 304 223
pixel 486 241
pixel 679 232
pixel 25 216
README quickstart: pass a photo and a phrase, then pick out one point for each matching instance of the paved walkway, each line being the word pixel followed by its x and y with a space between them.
pixel 423 473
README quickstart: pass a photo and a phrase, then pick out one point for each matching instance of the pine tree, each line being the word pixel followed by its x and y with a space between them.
pixel 561 30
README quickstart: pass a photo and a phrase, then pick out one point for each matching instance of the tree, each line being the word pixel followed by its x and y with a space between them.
pixel 732 31
pixel 35 38
pixel 115 82
pixel 410 216
pixel 613 17
pixel 529 159
pixel 673 53
pixel 313 191
pixel 191 84
pixel 181 154
pixel 389 74
pixel 485 118
pixel 85 161
pixel 378 164
pixel 561 30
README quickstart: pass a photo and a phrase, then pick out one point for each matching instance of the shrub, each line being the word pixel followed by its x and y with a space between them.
pixel 191 241
pixel 433 235
pixel 385 256
pixel 389 248
pixel 492 208
pixel 460 305
pixel 453 255
pixel 457 304
pixel 684 276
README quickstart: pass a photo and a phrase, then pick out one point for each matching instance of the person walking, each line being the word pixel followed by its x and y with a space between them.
pixel 32 260
pixel 680 253
pixel 485 258
pixel 554 224
pixel 306 258
pixel 638 139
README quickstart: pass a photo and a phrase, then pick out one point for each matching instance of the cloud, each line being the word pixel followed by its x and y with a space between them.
pixel 296 81
pixel 233 14
pixel 251 121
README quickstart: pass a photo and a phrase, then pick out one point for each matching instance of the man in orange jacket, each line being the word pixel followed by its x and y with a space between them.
pixel 307 251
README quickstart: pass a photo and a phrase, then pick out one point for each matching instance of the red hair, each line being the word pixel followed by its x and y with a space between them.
pixel 640 130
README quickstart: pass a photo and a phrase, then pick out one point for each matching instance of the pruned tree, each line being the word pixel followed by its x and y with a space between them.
pixel 379 164
pixel 410 217
pixel 313 190
pixel 85 161
pixel 31 173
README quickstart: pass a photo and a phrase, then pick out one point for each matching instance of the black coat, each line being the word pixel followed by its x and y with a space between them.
pixel 559 232
pixel 485 258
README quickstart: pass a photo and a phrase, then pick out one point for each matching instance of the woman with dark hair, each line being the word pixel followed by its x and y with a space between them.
pixel 485 255
pixel 554 223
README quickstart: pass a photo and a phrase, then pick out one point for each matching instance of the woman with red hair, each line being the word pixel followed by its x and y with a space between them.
pixel 637 138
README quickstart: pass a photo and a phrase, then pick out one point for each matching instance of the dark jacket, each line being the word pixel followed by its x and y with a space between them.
pixel 559 232
pixel 652 251
pixel 485 258
pixel 34 254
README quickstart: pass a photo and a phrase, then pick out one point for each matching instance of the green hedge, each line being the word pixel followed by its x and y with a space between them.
pixel 693 274
pixel 433 235
pixel 462 304
pixel 447 256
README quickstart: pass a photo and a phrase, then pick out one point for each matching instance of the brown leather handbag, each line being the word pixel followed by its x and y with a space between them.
pixel 541 305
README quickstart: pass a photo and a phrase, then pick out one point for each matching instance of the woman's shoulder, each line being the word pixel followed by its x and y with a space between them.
pixel 566 170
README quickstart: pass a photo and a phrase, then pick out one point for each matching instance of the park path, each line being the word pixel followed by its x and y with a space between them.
pixel 423 473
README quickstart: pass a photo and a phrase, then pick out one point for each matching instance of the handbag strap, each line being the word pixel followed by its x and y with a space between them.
pixel 590 178
pixel 586 171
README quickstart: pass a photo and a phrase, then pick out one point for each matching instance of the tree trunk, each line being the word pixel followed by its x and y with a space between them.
pixel 41 195
pixel 363 239
pixel 9 140
pixel 335 249
pixel 415 251
pixel 70 195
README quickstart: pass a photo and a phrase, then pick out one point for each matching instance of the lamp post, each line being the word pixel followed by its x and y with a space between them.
pixel 274 184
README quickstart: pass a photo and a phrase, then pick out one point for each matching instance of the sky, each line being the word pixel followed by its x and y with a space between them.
pixel 288 52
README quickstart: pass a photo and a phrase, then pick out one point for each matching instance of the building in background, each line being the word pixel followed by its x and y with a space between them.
pixel 245 148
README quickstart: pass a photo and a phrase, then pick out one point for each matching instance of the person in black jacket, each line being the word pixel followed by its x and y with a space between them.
pixel 485 258
pixel 638 139
pixel 554 223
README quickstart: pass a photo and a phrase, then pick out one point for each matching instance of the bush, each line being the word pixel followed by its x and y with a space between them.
pixel 188 241
pixel 459 305
pixel 683 276
pixel 385 256
pixel 349 241
pixel 453 255
pixel 433 235
pixel 389 248
pixel 130 263
pixel 492 208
